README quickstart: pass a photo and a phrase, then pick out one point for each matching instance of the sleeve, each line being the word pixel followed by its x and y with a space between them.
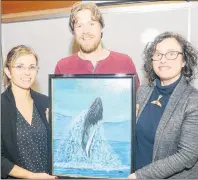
pixel 46 101
pixel 6 164
pixel 186 155
pixel 132 69
pixel 57 70
pixel 139 93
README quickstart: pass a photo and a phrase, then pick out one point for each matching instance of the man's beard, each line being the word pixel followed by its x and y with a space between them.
pixel 89 48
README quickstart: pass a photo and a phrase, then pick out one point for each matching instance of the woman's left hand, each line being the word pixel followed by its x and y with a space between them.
pixel 132 176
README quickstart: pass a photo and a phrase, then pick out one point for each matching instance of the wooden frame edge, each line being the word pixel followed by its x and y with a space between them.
pixel 64 12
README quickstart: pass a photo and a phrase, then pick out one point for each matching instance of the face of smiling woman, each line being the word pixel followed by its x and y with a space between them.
pixel 22 72
pixel 168 61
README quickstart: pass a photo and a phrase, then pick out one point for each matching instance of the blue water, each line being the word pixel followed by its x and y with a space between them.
pixel 122 149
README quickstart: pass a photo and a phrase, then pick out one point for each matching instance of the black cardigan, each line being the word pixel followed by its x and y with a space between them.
pixel 9 153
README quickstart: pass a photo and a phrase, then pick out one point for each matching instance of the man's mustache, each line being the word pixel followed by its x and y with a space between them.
pixel 87 36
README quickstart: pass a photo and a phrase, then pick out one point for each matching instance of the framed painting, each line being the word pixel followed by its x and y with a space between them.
pixel 92 122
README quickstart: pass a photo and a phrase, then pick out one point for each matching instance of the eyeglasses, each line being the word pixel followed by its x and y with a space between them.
pixel 23 68
pixel 171 55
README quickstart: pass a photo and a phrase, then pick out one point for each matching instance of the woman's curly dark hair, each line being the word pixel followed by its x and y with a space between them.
pixel 190 55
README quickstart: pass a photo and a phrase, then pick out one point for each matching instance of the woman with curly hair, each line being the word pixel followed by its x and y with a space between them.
pixel 167 118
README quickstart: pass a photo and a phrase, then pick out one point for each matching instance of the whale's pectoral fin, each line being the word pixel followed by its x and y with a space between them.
pixel 90 140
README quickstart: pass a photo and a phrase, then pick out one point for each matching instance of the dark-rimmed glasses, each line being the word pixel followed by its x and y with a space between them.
pixel 171 55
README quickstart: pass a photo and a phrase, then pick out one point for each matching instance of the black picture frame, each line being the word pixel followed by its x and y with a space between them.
pixel 75 144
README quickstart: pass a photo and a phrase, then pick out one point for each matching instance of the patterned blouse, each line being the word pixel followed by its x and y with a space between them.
pixel 32 143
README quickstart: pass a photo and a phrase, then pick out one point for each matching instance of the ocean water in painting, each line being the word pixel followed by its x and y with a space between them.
pixel 92 128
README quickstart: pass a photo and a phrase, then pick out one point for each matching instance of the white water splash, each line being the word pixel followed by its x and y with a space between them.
pixel 71 155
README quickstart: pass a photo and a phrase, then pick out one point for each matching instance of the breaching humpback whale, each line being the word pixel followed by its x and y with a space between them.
pixel 94 114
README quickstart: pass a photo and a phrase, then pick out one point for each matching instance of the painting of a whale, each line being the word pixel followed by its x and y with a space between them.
pixel 85 140
pixel 91 126
pixel 94 114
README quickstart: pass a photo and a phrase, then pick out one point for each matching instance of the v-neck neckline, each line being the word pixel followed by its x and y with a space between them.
pixel 23 118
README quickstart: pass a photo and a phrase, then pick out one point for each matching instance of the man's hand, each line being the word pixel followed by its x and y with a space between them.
pixel 47 114
pixel 137 109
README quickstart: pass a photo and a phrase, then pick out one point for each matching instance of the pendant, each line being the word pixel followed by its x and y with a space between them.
pixel 157 102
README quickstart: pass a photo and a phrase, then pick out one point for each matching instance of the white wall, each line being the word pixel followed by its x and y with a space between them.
pixel 127 29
